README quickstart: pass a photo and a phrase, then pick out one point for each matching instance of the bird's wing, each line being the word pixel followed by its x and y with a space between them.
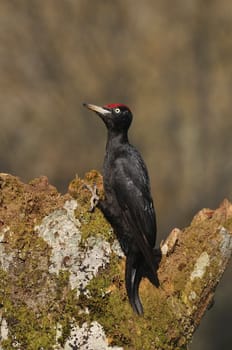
pixel 132 190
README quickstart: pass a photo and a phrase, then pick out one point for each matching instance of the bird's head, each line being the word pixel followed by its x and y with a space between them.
pixel 116 116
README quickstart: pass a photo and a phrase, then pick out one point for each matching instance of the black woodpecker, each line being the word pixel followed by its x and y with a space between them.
pixel 128 205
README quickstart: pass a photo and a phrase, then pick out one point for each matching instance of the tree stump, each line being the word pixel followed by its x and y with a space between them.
pixel 62 273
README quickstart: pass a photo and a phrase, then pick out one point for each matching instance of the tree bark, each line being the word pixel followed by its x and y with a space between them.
pixel 62 273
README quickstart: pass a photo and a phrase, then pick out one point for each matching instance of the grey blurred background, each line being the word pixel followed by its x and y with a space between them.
pixel 171 62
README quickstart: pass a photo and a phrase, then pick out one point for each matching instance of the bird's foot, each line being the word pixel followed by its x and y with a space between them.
pixel 94 200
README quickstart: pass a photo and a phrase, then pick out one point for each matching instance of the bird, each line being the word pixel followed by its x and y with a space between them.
pixel 128 204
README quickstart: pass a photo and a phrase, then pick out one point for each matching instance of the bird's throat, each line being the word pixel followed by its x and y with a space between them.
pixel 115 139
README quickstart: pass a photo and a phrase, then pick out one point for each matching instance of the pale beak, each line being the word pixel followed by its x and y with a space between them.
pixel 100 110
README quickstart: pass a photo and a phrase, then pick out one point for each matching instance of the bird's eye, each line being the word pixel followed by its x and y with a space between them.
pixel 117 110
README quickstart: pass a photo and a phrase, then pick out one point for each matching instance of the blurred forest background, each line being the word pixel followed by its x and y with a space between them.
pixel 171 62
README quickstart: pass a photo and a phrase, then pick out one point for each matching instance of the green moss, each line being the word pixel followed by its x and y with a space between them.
pixel 65 306
pixel 108 297
pixel 35 328
pixel 93 224
pixel 31 330
pixel 78 190
pixel 100 287
pixel 228 225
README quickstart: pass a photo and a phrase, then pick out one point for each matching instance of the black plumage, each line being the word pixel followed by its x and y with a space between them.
pixel 128 204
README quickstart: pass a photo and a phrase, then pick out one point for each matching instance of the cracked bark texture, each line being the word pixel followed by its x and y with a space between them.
pixel 62 273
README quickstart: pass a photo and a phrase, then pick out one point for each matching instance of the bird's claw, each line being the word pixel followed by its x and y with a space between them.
pixel 94 200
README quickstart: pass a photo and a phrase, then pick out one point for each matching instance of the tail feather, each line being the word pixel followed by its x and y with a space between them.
pixel 133 278
pixel 136 269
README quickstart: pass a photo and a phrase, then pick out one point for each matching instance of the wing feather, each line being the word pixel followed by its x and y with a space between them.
pixel 132 190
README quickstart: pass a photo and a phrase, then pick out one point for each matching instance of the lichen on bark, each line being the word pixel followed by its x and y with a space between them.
pixel 62 273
